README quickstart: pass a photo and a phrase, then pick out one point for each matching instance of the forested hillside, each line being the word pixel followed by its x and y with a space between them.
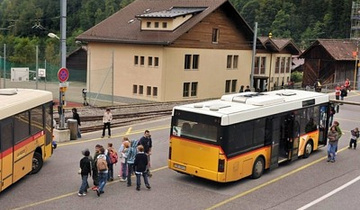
pixel 26 23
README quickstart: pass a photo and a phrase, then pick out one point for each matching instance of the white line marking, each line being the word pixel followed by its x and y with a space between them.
pixel 329 194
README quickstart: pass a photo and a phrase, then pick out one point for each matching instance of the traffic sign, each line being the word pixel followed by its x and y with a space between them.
pixel 63 74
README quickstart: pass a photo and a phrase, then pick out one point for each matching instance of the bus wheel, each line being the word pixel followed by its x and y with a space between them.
pixel 308 149
pixel 258 168
pixel 37 163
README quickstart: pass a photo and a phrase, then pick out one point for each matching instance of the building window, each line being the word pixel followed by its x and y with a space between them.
pixel 236 61
pixel 195 62
pixel 186 88
pixel 150 61
pixel 262 65
pixel 257 64
pixel 233 85
pixel 230 86
pixel 215 35
pixel 141 89
pixel 191 61
pixel 288 68
pixel 164 24
pixel 227 86
pixel 155 93
pixel 194 88
pixel 282 65
pixel 142 60
pixel 277 65
pixel 156 61
pixel 229 61
pixel 187 62
pixel 135 89
pixel 148 91
pixel 156 24
pixel 148 24
pixel 136 60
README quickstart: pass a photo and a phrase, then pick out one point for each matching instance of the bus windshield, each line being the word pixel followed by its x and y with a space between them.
pixel 195 130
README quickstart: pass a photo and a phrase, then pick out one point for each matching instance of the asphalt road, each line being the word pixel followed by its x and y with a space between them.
pixel 312 181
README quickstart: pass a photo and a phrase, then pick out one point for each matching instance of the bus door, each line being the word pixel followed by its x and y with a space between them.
pixel 273 126
pixel 6 148
pixel 296 139
pixel 323 124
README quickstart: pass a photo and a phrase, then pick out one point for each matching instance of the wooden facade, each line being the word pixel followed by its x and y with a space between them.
pixel 328 61
pixel 230 36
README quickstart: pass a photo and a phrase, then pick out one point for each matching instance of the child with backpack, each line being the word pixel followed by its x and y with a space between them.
pixel 111 152
pixel 354 137
pixel 102 163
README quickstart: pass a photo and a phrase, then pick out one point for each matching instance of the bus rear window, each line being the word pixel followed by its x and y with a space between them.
pixel 196 130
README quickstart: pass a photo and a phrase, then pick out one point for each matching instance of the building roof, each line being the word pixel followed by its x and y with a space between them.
pixel 279 44
pixel 172 12
pixel 338 49
pixel 124 27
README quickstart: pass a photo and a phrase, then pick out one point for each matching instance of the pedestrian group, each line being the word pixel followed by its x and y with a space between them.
pixel 134 156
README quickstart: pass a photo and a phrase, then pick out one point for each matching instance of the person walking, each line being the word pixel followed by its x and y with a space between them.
pixel 102 162
pixel 107 118
pixel 347 84
pixel 131 153
pixel 247 89
pixel 343 92
pixel 140 165
pixel 354 137
pixel 77 118
pixel 338 130
pixel 146 142
pixel 333 137
pixel 95 174
pixel 85 167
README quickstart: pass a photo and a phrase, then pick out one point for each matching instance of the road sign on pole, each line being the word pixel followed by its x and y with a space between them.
pixel 63 74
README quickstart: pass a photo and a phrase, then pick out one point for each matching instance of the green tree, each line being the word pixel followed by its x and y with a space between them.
pixel 280 26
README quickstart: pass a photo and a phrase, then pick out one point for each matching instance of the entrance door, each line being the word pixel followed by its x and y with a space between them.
pixel 323 125
pixel 273 125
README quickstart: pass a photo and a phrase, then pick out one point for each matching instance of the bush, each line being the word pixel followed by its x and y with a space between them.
pixel 296 76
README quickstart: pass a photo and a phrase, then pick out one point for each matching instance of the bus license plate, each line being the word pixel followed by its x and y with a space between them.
pixel 178 166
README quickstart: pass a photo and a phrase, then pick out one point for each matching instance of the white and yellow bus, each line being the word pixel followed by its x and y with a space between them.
pixel 243 134
pixel 26 118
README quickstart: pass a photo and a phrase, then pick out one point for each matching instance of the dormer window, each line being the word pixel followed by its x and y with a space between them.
pixel 164 24
pixel 148 24
pixel 156 24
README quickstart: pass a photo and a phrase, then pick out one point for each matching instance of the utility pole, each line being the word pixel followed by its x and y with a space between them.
pixel 63 60
pixel 253 57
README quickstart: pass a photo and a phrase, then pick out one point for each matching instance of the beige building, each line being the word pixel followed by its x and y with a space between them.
pixel 273 67
pixel 171 50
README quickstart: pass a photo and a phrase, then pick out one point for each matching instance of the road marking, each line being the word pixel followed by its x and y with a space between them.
pixel 270 182
pixel 330 193
pixel 73 193
pixel 128 131
pixel 119 135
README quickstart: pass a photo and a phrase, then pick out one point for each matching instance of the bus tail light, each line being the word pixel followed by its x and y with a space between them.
pixel 169 153
pixel 221 166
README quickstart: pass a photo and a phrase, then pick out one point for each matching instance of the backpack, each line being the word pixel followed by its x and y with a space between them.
pixel 101 164
pixel 113 157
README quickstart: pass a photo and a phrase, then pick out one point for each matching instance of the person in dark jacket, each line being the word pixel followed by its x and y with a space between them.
pixel 146 142
pixel 140 168
pixel 77 118
pixel 85 166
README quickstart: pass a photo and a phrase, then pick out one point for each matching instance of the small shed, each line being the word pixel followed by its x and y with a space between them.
pixel 329 60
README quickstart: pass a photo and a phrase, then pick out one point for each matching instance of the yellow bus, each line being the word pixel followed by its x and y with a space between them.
pixel 243 134
pixel 26 118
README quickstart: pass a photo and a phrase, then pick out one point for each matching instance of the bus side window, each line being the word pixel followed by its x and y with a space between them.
pixel 186 128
